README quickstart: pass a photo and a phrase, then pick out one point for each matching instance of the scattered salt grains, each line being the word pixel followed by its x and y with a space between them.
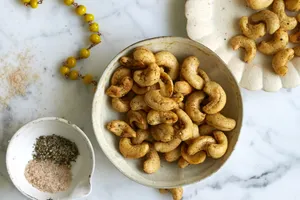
pixel 47 176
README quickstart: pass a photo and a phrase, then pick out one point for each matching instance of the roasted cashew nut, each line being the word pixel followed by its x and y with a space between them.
pixel 279 42
pixel 162 132
pixel 165 147
pixel 119 74
pixel 131 63
pixel 142 54
pixel 245 43
pixel 168 61
pixel 121 104
pixel 189 71
pixel 138 119
pixel 200 144
pixel 158 117
pixel 173 155
pixel 182 163
pixel 138 103
pixel 183 87
pixel 292 5
pixel 177 193
pixel 195 159
pixel 166 85
pixel 252 31
pixel 280 60
pixel 185 131
pixel 152 162
pixel 120 128
pixel 141 136
pixel 220 122
pixel 206 129
pixel 259 4
pixel 269 18
pixel 128 150
pixel 139 90
pixel 286 23
pixel 120 90
pixel 218 150
pixel 217 98
pixel 156 101
pixel 295 38
pixel 195 134
pixel 148 76
pixel 192 107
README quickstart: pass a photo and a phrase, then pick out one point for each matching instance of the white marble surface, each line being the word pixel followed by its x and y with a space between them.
pixel 266 163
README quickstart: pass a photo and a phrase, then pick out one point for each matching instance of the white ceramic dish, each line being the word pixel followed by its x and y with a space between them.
pixel 169 175
pixel 20 150
pixel 214 22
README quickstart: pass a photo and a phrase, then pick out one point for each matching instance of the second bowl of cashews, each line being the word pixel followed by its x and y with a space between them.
pixel 167 112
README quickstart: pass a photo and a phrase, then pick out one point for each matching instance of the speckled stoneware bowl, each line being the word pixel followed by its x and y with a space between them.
pixel 20 150
pixel 169 175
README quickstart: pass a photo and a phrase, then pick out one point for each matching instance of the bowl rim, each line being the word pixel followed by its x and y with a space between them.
pixel 74 126
pixel 238 92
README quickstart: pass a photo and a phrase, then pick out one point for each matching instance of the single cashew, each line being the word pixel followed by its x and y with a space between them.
pixel 173 155
pixel 165 147
pixel 141 136
pixel 144 55
pixel 162 132
pixel 139 90
pixel 189 71
pixel 217 98
pixel 194 159
pixel 246 43
pixel 158 117
pixel 200 144
pixel 121 89
pixel 203 75
pixel 218 150
pixel 279 42
pixel 292 5
pixel 280 61
pixel 121 104
pixel 166 85
pixel 259 4
pixel 185 131
pixel 182 163
pixel 192 107
pixel 220 122
pixel 148 76
pixel 206 129
pixel 131 63
pixel 156 101
pixel 128 150
pixel 138 119
pixel 252 31
pixel 119 74
pixel 295 38
pixel 183 87
pixel 269 18
pixel 168 61
pixel 297 51
pixel 120 128
pixel 138 103
pixel 152 162
pixel 286 23
pixel 177 193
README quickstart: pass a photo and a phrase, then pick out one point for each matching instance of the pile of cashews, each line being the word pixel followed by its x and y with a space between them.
pixel 270 19
pixel 171 109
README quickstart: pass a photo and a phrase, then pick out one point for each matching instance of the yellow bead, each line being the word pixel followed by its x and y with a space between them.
pixel 74 75
pixel 71 62
pixel 89 17
pixel 34 3
pixel 69 2
pixel 81 10
pixel 64 70
pixel 94 27
pixel 95 38
pixel 85 53
pixel 25 1
pixel 87 79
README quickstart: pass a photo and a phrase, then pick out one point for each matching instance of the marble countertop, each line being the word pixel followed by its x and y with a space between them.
pixel 266 163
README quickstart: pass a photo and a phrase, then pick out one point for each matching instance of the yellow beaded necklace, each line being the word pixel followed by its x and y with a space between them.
pixel 95 38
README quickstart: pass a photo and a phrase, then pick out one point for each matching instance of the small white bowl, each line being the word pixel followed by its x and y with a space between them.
pixel 169 175
pixel 20 149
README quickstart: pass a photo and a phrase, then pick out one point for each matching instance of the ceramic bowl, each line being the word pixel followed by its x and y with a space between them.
pixel 169 175
pixel 20 150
